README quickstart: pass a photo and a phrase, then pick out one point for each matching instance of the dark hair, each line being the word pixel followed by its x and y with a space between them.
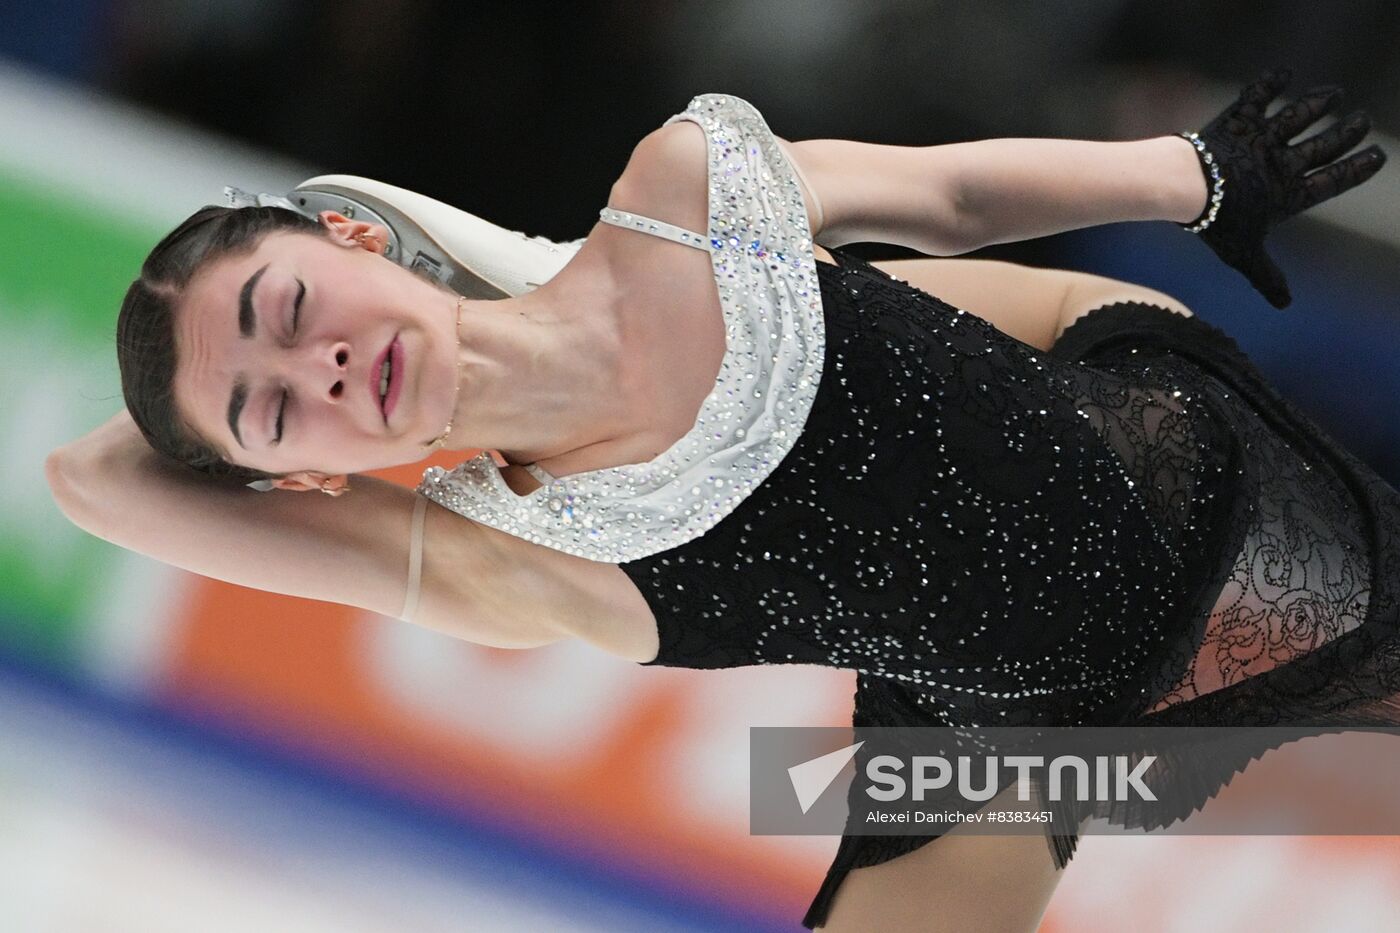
pixel 146 324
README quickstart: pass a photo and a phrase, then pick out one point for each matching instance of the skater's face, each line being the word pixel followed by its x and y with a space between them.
pixel 280 355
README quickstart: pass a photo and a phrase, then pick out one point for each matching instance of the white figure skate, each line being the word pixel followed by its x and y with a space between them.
pixel 471 256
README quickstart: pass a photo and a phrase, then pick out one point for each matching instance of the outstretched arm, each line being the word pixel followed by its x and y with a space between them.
pixel 351 549
pixel 955 198
pixel 945 200
pixel 949 199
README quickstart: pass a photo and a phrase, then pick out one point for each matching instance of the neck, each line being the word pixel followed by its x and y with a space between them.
pixel 538 376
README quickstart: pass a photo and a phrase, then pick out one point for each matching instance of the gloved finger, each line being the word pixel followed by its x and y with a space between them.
pixel 1269 280
pixel 1331 180
pixel 1256 95
pixel 1323 147
pixel 1304 112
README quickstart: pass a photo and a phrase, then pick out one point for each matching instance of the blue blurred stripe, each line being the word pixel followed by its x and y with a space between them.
pixel 1334 352
pixel 542 867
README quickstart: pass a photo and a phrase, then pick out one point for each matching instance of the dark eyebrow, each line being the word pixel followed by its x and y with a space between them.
pixel 247 327
pixel 246 322
pixel 235 408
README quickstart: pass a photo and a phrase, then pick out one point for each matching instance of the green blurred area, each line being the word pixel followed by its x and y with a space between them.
pixel 72 258
pixel 64 266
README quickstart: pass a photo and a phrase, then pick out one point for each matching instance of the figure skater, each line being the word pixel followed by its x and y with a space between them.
pixel 714 438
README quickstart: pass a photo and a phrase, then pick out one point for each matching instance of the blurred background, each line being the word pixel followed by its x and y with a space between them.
pixel 180 754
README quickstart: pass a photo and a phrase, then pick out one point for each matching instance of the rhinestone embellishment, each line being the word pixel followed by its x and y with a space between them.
pixel 764 265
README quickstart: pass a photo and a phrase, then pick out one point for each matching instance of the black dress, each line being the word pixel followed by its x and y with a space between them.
pixel 1132 528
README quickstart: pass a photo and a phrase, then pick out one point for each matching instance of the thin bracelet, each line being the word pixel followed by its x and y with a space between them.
pixel 415 559
pixel 1212 167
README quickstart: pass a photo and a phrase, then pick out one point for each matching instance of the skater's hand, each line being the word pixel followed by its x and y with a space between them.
pixel 1266 180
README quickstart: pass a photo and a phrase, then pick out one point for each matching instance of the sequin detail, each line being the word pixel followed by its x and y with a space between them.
pixel 764 269
pixel 954 487
pixel 1228 565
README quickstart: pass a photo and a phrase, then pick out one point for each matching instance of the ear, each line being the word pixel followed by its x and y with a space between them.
pixel 354 233
pixel 308 480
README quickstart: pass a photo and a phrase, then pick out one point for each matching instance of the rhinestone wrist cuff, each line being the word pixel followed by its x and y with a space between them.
pixel 1209 165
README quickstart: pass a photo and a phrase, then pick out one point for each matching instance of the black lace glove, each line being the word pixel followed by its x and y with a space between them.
pixel 1257 180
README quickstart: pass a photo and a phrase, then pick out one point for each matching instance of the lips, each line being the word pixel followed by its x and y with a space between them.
pixel 376 366
pixel 393 352
pixel 395 378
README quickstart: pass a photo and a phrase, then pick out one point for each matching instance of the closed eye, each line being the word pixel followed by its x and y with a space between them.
pixel 281 413
pixel 296 319
pixel 296 305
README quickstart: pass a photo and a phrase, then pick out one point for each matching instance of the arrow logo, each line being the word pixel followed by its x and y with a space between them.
pixel 811 778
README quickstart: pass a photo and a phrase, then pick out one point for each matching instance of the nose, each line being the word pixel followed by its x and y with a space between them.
pixel 339 370
pixel 323 369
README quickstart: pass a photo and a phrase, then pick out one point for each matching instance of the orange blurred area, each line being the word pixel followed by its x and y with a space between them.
pixel 298 671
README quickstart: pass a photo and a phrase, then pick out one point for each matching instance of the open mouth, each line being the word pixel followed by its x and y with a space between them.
pixel 386 377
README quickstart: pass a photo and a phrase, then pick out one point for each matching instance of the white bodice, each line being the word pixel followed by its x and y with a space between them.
pixel 760 246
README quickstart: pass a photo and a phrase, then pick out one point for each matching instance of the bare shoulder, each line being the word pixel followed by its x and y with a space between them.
pixel 667 176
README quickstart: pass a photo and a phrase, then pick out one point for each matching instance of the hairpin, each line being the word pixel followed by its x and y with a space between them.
pixel 237 197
